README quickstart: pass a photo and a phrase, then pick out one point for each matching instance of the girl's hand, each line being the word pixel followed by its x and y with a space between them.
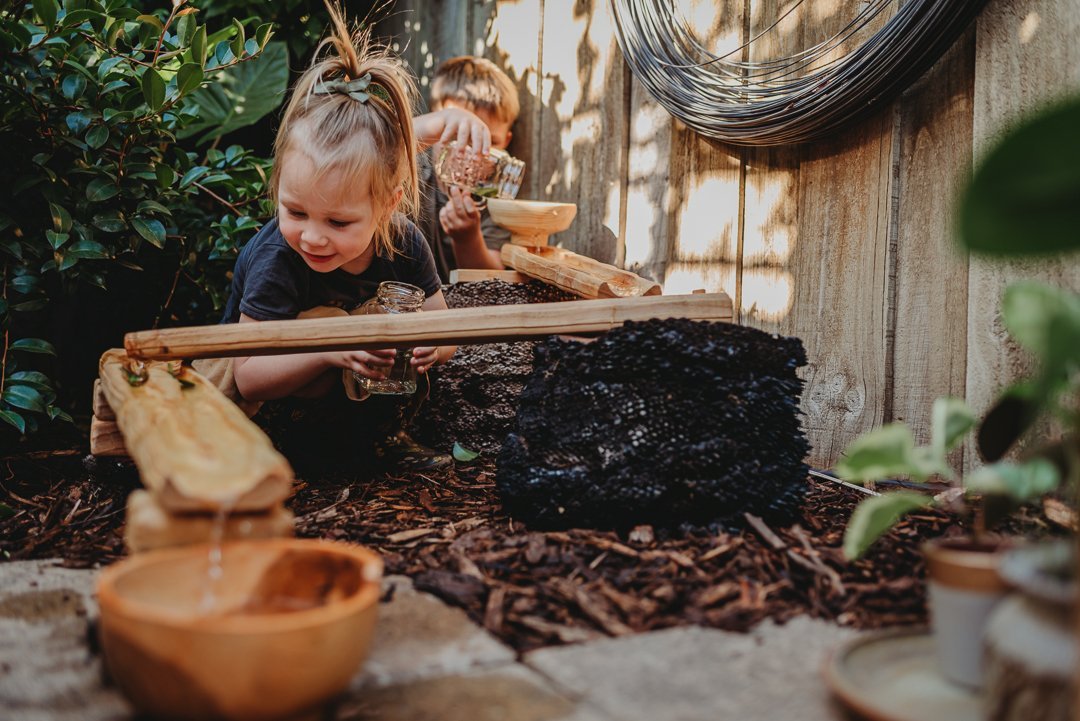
pixel 375 364
pixel 424 357
pixel 449 124
pixel 460 217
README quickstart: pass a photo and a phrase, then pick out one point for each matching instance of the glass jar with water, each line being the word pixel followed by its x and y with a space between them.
pixel 393 297
pixel 495 174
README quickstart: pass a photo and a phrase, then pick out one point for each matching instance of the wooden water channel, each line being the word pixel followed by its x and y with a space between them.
pixel 845 243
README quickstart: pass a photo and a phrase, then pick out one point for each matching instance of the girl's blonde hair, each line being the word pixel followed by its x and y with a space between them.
pixel 339 133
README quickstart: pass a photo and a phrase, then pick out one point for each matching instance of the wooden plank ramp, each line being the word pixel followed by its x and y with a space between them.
pixel 445 327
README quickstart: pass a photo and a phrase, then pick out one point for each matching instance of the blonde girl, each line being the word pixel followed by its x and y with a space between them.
pixel 344 180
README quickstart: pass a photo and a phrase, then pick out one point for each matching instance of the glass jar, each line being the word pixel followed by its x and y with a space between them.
pixel 496 174
pixel 393 297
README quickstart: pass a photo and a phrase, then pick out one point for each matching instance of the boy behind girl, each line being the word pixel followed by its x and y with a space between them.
pixel 462 236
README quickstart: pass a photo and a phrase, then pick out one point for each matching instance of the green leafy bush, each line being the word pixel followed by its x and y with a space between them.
pixel 100 195
pixel 1024 201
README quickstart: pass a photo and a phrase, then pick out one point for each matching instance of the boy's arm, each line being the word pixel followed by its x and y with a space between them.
pixel 448 124
pixel 460 218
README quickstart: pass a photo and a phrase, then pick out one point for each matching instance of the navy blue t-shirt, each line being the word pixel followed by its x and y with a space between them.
pixel 272 282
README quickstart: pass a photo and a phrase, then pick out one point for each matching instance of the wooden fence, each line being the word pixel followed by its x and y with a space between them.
pixel 846 243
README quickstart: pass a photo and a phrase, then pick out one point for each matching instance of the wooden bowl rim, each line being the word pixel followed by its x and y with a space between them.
pixel 539 205
pixel 111 602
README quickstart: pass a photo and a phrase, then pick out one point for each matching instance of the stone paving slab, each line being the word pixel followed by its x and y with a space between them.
pixel 47 670
pixel 418 636
pixel 701 674
pixel 429 661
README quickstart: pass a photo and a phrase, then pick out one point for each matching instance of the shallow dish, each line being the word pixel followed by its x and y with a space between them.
pixel 283 630
pixel 530 222
pixel 893 676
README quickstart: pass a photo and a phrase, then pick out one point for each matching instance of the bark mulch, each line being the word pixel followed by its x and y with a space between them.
pixel 528 588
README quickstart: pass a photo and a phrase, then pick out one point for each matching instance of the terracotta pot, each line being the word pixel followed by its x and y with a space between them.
pixel 964 587
pixel 282 632
pixel 1031 647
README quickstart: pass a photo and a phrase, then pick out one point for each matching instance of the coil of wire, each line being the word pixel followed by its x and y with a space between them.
pixel 792 99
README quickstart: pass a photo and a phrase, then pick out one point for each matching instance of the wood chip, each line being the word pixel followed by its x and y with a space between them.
pixel 765 532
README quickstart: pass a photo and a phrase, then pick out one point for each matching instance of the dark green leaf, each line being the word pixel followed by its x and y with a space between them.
pixel 110 223
pixel 31 305
pixel 185 29
pixel 1023 199
pixel 24 397
pixel 46 11
pixel 34 345
pixel 56 239
pixel 107 66
pixel 464 455
pixel 152 206
pixel 88 250
pixel 73 86
pixel 96 136
pixel 152 21
pixel 192 175
pixel 238 41
pixel 78 17
pixel 875 516
pixel 25 283
pixel 100 189
pixel 153 89
pixel 78 121
pixel 13 419
pixel 188 78
pixel 61 219
pixel 165 175
pixel 151 230
pixel 198 46
pixel 36 379
pixel 1006 421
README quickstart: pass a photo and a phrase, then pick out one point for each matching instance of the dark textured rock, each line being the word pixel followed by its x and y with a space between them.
pixel 661 422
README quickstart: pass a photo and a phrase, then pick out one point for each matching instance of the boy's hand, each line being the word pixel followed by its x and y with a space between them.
pixel 375 364
pixel 424 357
pixel 464 127
pixel 460 217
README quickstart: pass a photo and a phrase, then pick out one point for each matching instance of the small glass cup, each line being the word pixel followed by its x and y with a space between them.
pixel 496 174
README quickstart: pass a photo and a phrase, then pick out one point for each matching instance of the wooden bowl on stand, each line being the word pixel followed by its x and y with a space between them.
pixel 530 222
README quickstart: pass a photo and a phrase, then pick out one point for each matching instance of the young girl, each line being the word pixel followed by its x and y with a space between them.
pixel 344 177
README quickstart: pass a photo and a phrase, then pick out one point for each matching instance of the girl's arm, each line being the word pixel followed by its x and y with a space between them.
pixel 448 124
pixel 426 356
pixel 264 378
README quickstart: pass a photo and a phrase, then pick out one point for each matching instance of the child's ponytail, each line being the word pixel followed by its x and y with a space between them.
pixel 352 111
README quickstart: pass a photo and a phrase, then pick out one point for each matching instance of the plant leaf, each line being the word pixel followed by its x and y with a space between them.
pixel 882 453
pixel 463 454
pixel 875 516
pixel 152 230
pixel 189 77
pixel 1019 481
pixel 61 219
pixel 24 397
pixel 96 136
pixel 1023 197
pixel 1007 420
pixel 951 420
pixel 34 345
pixel 100 189
pixel 46 11
pixel 153 89
pixel 14 419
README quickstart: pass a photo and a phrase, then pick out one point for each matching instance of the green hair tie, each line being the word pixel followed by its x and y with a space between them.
pixel 359 90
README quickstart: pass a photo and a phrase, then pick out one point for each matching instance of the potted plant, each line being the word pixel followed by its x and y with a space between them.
pixel 1021 202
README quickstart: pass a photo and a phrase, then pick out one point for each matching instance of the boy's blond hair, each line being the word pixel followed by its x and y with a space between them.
pixel 340 133
pixel 479 85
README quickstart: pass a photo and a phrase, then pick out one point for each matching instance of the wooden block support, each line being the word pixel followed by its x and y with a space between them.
pixel 470 275
pixel 106 438
pixel 194 448
pixel 446 327
pixel 102 410
pixel 149 525
pixel 575 273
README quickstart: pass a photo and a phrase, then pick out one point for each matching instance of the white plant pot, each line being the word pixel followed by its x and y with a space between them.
pixel 1031 648
pixel 964 587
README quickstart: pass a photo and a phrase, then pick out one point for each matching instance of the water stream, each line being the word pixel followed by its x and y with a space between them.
pixel 214 569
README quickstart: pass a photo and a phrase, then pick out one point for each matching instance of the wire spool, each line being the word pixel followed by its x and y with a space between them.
pixel 791 99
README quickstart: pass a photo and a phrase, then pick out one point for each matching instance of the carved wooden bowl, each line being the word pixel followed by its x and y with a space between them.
pixel 530 222
pixel 283 630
